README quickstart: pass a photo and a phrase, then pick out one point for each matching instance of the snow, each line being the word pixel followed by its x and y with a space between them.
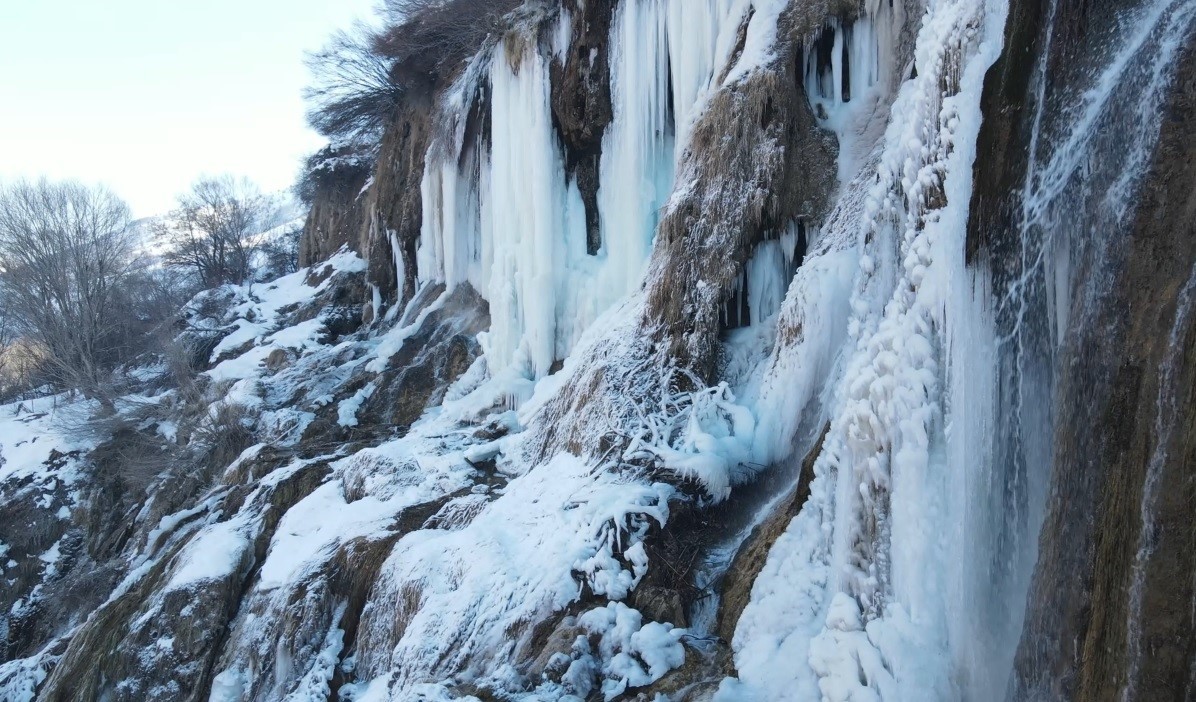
pixel 346 411
pixel 392 341
pixel 213 555
pixel 256 318
pixel 514 563
pixel 315 685
pixel 170 522
pixel 636 654
pixel 20 678
pixel 31 430
pixel 50 558
pixel 760 40
pixel 323 520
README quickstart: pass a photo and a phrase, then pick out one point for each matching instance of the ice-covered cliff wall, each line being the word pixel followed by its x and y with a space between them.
pixel 695 350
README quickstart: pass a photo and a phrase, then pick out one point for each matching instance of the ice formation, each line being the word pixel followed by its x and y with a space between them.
pixel 510 221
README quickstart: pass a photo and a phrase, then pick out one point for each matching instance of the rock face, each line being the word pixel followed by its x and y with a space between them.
pixel 393 206
pixel 337 215
pixel 688 350
pixel 1111 605
pixel 581 105
pixel 1109 611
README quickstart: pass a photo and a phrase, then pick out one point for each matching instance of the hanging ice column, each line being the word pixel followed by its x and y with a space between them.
pixel 502 220
pixel 847 72
pixel 509 221
pixel 637 152
pixel 523 216
pixel 663 56
pixel 701 35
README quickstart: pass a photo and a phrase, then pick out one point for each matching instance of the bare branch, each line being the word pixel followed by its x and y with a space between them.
pixel 353 93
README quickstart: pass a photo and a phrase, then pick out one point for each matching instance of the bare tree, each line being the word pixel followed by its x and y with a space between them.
pixel 7 337
pixel 360 76
pixel 19 359
pixel 280 253
pixel 66 254
pixel 215 229
pixel 10 361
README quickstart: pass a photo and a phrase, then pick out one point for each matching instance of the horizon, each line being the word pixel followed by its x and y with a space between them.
pixel 145 98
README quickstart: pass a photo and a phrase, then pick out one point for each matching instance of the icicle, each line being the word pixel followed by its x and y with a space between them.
pixel 768 275
pixel 699 34
pixel 563 36
pixel 524 202
pixel 506 220
pixel 429 255
pixel 845 80
pixel 637 151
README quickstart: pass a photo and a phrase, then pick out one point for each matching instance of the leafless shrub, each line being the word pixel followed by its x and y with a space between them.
pixel 335 169
pixel 360 75
pixel 135 459
pixel 224 435
pixel 280 254
pixel 432 34
pixel 179 359
pixel 155 295
pixel 20 359
pixel 7 337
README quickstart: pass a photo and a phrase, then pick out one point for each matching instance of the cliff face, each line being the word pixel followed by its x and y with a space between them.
pixel 1112 593
pixel 671 349
pixel 1111 605
pixel 337 214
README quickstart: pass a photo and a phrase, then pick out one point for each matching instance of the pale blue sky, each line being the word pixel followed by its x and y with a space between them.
pixel 147 95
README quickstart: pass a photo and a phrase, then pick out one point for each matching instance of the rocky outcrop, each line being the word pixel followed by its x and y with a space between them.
pixel 757 161
pixel 581 106
pixel 336 215
pixel 437 353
